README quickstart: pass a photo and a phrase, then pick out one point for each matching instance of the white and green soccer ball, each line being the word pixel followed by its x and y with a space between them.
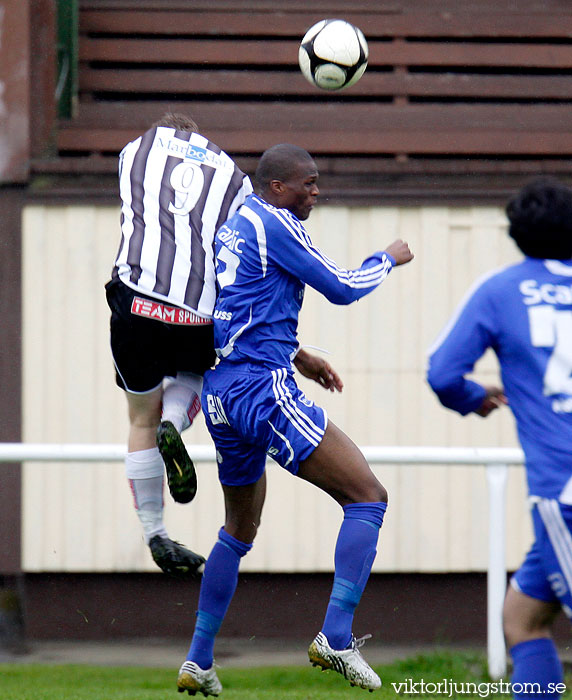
pixel 333 54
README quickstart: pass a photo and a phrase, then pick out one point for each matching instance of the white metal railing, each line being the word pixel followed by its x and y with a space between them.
pixel 495 459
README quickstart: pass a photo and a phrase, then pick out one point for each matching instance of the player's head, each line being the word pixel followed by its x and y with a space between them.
pixel 540 217
pixel 286 177
pixel 177 121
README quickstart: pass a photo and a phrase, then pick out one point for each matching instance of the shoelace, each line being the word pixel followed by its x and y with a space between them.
pixel 360 641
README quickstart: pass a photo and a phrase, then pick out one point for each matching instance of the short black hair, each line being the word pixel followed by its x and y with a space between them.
pixel 540 219
pixel 279 162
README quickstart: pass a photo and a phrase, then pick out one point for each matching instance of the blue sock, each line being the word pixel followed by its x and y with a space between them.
pixel 217 588
pixel 355 553
pixel 536 661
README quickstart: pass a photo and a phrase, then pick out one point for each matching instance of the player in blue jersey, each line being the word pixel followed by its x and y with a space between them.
pixel 253 407
pixel 524 313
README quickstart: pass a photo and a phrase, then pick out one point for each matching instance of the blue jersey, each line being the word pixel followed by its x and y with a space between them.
pixel 524 313
pixel 264 259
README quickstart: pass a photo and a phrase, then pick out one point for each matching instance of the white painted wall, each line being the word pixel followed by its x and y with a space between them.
pixel 79 517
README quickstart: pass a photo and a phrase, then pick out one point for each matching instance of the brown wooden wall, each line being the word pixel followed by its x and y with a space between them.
pixel 14 91
pixel 459 97
pixel 11 203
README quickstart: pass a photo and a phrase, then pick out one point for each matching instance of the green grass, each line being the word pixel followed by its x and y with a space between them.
pixel 43 682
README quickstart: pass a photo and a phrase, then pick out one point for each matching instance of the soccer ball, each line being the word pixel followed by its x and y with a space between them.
pixel 333 54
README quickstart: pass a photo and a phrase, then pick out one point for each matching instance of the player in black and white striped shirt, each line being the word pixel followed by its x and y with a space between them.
pixel 176 189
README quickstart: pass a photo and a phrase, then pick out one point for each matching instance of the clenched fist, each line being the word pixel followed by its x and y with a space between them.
pixel 400 251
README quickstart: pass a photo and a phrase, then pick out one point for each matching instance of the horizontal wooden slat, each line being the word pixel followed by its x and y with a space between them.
pixel 187 51
pixel 347 118
pixel 443 7
pixel 343 167
pixel 236 6
pixel 451 53
pixel 238 23
pixel 280 52
pixel 349 181
pixel 329 141
pixel 379 20
pixel 199 81
pixel 383 84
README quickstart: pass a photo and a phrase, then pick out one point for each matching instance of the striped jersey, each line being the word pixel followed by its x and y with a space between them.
pixel 524 313
pixel 264 259
pixel 176 189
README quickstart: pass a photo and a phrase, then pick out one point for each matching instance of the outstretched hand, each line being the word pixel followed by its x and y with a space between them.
pixel 316 368
pixel 399 250
pixel 495 398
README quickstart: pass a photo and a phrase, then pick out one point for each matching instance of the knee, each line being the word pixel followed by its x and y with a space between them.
pixel 371 492
pixel 515 629
pixel 145 417
pixel 380 493
pixel 145 409
pixel 145 422
pixel 244 530
pixel 525 618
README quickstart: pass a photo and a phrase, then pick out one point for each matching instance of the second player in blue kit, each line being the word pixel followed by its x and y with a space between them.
pixel 524 313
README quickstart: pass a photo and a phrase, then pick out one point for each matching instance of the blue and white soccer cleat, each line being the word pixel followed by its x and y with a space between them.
pixel 193 679
pixel 349 662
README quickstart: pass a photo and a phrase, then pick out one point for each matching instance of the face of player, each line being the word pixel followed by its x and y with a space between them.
pixel 301 190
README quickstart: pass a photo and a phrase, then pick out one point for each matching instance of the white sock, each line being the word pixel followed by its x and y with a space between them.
pixel 145 471
pixel 182 399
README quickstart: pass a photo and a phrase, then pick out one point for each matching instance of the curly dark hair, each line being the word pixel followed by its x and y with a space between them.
pixel 540 218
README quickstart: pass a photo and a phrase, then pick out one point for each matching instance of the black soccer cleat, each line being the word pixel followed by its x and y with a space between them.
pixel 174 559
pixel 181 475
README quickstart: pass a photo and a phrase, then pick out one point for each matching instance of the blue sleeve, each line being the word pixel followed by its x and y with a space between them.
pixel 463 341
pixel 298 256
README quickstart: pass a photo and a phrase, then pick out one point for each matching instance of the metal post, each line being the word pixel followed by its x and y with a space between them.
pixel 496 575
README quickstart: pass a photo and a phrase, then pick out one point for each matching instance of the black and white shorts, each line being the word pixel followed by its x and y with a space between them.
pixel 151 340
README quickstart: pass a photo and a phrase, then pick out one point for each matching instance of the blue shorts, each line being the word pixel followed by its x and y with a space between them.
pixel 253 411
pixel 546 573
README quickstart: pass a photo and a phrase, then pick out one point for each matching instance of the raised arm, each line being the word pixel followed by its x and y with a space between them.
pixel 300 257
pixel 463 341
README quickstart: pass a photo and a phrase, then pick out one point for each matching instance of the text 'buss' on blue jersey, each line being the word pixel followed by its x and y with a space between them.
pixel 222 315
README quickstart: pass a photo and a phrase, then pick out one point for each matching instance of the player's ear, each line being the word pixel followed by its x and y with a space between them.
pixel 276 187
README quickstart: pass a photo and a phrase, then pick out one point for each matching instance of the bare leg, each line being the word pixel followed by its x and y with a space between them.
pixel 339 468
pixel 527 624
pixel 526 618
pixel 243 506
pixel 144 417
